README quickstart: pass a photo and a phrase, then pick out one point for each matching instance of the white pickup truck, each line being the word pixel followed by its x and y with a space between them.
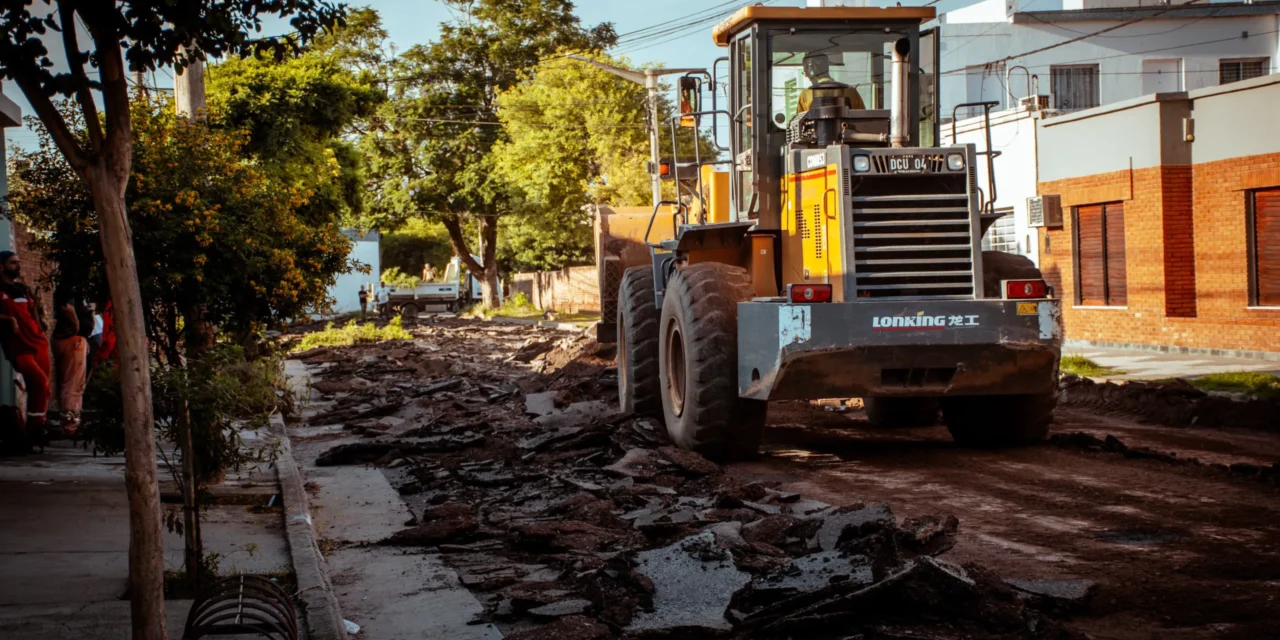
pixel 455 290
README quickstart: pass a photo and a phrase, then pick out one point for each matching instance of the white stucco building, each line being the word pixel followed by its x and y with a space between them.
pixel 1151 47
pixel 365 249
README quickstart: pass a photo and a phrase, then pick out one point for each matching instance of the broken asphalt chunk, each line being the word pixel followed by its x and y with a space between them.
pixel 852 522
pixel 636 463
pixel 693 581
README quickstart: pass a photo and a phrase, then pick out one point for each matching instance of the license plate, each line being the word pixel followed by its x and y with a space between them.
pixel 908 164
pixel 1027 309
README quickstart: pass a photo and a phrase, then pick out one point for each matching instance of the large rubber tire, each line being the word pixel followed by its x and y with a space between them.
pixel 698 364
pixel 901 412
pixel 638 344
pixel 998 265
pixel 999 421
pixel 409 311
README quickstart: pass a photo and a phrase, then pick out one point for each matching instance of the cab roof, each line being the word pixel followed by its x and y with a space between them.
pixel 747 16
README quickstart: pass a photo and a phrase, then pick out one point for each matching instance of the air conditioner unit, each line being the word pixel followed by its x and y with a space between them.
pixel 1045 211
pixel 1034 103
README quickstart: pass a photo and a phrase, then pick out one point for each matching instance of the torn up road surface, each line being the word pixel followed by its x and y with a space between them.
pixel 568 520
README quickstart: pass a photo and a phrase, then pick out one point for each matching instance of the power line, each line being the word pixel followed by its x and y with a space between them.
pixel 1122 55
pixel 670 34
pixel 1093 34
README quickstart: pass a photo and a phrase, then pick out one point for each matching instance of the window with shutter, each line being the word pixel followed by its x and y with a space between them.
pixel 1117 285
pixel 1099 256
pixel 1074 86
pixel 1242 69
pixel 1264 247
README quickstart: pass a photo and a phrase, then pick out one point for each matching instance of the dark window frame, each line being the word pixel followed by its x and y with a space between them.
pixel 1058 97
pixel 1240 62
pixel 1106 262
pixel 1251 240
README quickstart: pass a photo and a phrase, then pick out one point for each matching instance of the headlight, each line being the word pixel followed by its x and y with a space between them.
pixel 862 164
pixel 955 162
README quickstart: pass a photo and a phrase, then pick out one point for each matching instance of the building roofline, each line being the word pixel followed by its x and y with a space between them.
pixel 1123 105
pixel 1232 87
pixel 1216 10
pixel 10 112
pixel 1178 96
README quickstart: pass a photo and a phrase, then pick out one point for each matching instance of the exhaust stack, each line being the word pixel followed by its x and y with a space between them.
pixel 901 101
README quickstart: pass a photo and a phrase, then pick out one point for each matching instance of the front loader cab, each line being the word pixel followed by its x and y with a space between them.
pixel 848 262
pixel 780 95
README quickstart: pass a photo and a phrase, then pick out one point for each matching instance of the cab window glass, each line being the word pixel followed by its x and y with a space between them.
pixel 852 63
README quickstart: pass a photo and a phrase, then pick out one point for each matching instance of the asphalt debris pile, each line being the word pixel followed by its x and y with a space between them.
pixel 571 521
pixel 1174 403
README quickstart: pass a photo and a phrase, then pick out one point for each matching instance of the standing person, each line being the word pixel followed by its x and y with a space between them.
pixel 92 332
pixel 429 273
pixel 384 300
pixel 24 344
pixel 364 302
pixel 70 354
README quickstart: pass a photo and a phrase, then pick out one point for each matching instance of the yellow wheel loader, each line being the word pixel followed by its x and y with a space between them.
pixel 838 255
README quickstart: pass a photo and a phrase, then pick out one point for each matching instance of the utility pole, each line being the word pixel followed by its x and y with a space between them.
pixel 648 78
pixel 188 89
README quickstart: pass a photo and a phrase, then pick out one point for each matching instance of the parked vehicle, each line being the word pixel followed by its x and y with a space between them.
pixel 456 289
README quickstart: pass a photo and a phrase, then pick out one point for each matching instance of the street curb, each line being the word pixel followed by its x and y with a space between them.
pixel 322 614
pixel 560 326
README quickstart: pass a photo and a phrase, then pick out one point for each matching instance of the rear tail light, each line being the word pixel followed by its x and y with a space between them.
pixel 809 292
pixel 1023 289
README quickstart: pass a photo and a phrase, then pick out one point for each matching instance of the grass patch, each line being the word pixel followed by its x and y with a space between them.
pixel 1265 386
pixel 1082 366
pixel 353 333
pixel 519 306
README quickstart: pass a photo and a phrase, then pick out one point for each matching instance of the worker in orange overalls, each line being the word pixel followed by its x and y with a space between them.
pixel 25 345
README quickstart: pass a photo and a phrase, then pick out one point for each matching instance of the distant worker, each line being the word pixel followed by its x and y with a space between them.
pixel 25 346
pixel 817 67
pixel 70 349
pixel 364 302
pixel 384 300
pixel 429 273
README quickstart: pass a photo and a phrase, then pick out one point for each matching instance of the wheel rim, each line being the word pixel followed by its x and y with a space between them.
pixel 675 370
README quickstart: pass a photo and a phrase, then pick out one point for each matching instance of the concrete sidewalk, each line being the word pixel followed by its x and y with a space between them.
pixel 64 548
pixel 1155 365
pixel 64 543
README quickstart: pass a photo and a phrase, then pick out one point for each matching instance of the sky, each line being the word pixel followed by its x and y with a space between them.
pixel 410 22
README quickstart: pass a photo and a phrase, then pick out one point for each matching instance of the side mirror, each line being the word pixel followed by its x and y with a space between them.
pixel 690 101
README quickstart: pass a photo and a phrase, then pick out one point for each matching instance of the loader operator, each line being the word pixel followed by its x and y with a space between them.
pixel 817 67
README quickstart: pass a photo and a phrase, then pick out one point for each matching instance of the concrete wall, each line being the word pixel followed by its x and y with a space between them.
pixel 345 291
pixel 1119 56
pixel 571 290
pixel 1111 138
pixel 1013 133
pixel 1238 119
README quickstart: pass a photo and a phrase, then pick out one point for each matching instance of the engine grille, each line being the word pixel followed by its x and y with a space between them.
pixel 915 246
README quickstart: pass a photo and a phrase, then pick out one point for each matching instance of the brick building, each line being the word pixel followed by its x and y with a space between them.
pixel 1170 236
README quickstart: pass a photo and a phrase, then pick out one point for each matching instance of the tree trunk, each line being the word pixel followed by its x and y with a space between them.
pixel 146 545
pixel 489 254
pixel 486 270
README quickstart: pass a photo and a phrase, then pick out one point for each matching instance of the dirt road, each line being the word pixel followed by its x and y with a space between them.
pixel 1178 550
pixel 1179 528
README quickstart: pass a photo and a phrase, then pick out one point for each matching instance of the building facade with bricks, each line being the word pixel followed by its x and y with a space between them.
pixel 1170 234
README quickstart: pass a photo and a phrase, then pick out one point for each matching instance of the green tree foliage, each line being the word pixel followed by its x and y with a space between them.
pixel 576 136
pixel 296 111
pixel 431 153
pixel 418 242
pixel 230 241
